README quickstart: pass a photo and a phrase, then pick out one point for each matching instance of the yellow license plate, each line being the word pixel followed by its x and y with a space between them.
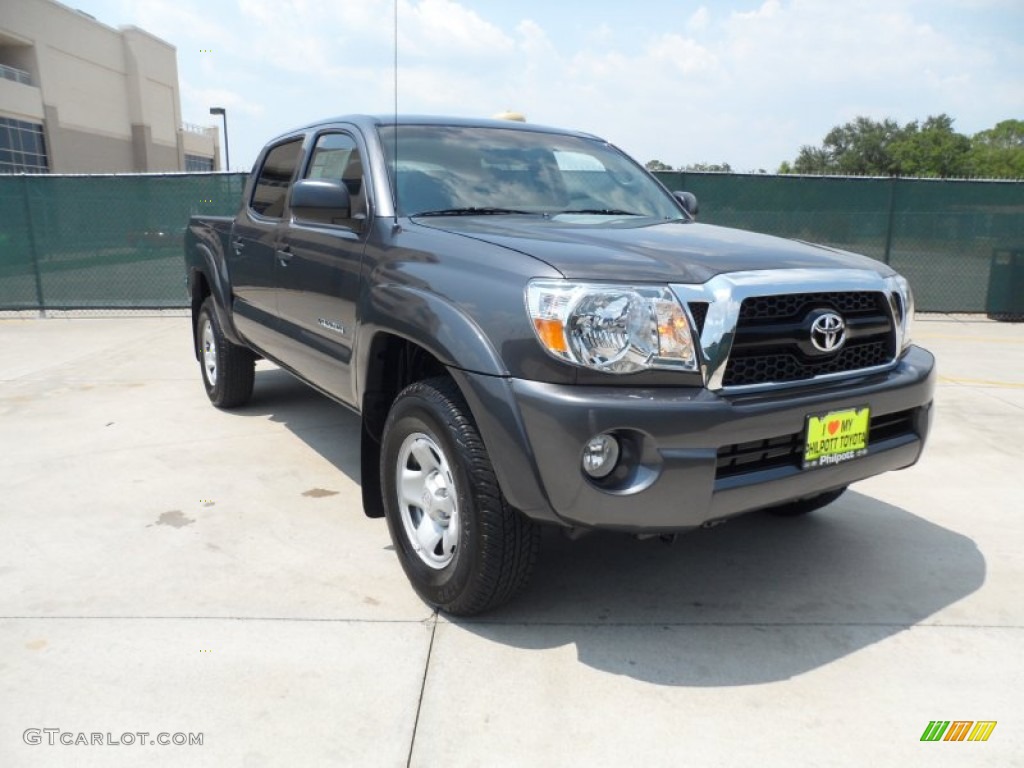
pixel 836 437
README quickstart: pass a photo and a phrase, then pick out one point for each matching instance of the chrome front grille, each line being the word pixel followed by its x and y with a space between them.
pixel 772 335
pixel 771 328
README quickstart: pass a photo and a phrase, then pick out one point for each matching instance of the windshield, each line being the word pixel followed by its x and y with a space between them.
pixel 451 170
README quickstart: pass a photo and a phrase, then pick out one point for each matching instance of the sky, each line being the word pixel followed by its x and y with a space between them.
pixel 743 82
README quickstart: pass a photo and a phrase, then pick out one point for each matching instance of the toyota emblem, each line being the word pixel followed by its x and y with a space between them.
pixel 828 332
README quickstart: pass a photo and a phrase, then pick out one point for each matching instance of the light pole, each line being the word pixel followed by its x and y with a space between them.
pixel 227 152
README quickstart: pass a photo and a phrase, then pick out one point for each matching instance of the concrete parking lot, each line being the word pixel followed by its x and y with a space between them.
pixel 170 569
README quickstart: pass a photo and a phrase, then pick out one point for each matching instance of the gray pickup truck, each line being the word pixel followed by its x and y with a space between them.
pixel 535 331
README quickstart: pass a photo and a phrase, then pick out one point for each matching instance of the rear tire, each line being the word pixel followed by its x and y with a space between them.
pixel 806 506
pixel 228 369
pixel 463 548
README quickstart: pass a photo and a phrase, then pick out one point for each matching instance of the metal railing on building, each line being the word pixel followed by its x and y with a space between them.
pixel 15 74
pixel 202 130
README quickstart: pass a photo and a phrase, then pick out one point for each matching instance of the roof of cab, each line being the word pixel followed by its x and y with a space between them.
pixel 375 121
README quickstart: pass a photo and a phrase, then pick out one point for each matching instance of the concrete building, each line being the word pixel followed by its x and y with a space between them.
pixel 77 96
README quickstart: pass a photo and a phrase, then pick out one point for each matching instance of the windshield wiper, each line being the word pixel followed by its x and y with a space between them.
pixel 601 212
pixel 472 211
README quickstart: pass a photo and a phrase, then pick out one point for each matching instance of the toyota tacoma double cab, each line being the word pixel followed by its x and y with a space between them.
pixel 535 331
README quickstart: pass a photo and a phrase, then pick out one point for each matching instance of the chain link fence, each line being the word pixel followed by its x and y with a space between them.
pixel 942 235
pixel 102 242
pixel 115 242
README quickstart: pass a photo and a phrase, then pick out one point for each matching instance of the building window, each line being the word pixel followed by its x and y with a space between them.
pixel 22 147
pixel 198 164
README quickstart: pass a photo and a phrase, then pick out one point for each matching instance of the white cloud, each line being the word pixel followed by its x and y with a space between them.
pixel 684 54
pixel 445 29
pixel 769 9
pixel 735 82
pixel 235 103
pixel 699 20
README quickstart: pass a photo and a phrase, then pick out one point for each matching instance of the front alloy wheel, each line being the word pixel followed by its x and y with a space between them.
pixel 427 500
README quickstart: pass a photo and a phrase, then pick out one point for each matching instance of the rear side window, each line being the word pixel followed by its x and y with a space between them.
pixel 271 188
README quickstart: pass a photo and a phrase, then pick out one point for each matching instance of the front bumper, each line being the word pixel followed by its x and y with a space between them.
pixel 677 439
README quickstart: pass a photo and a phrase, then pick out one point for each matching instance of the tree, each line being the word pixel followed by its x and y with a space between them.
pixel 933 149
pixel 885 148
pixel 998 153
pixel 657 165
pixel 712 167
pixel 861 147
pixel 812 160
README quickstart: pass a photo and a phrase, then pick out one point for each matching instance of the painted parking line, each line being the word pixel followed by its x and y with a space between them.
pixel 981 382
pixel 957 337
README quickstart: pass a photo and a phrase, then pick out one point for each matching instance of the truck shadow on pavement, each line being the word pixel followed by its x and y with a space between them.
pixel 757 600
pixel 328 428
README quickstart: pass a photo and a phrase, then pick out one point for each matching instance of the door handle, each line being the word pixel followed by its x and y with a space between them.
pixel 284 256
pixel 238 244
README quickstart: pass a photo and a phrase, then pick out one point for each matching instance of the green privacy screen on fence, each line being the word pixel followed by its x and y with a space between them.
pixel 940 234
pixel 77 242
pixel 73 242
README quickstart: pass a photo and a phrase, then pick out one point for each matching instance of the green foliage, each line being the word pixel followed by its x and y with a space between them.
pixel 931 149
pixel 861 147
pixel 998 152
pixel 713 167
pixel 657 165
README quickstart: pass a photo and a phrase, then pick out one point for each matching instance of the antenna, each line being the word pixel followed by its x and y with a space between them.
pixel 395 132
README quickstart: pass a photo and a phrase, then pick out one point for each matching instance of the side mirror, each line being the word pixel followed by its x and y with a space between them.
pixel 688 201
pixel 322 200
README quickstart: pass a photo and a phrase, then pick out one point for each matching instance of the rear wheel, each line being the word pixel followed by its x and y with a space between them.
pixel 808 505
pixel 228 369
pixel 463 548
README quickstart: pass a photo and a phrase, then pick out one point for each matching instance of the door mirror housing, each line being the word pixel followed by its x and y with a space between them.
pixel 689 202
pixel 321 200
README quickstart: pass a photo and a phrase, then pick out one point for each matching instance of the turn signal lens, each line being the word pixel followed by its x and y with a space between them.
pixel 551 334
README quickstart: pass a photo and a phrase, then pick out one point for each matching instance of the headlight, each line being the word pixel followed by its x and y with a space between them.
pixel 611 328
pixel 902 299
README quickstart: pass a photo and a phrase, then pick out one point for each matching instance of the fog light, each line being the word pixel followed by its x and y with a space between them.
pixel 600 455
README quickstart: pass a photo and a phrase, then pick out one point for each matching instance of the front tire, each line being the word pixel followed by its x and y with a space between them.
pixel 463 548
pixel 228 369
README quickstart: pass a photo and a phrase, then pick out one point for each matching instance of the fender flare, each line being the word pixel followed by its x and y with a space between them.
pixel 214 272
pixel 427 320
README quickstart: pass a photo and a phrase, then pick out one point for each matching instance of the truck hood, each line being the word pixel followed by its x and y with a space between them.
pixel 598 248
